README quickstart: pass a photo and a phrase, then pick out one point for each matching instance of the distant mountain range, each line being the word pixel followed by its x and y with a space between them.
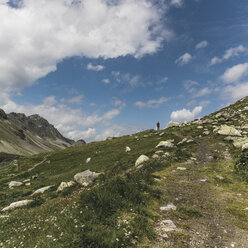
pixel 27 135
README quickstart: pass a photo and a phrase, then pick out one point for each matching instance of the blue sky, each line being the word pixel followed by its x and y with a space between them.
pixel 99 68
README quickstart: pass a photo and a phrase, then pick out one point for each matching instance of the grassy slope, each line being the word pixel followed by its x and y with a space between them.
pixel 121 209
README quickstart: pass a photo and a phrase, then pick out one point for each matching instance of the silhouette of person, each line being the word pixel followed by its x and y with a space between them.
pixel 158 125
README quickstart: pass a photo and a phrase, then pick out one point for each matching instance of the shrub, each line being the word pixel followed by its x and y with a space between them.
pixel 241 166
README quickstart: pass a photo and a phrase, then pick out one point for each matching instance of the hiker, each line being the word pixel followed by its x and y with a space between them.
pixel 158 125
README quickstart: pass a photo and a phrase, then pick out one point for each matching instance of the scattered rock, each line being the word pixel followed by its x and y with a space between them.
pixel 27 184
pixel 64 185
pixel 13 184
pixel 141 159
pixel 200 127
pixel 88 160
pixel 206 133
pixel 128 149
pixel 161 134
pixel 227 130
pixel 17 205
pixel 35 177
pixel 155 156
pixel 220 177
pixel 167 226
pixel 42 190
pixel 245 147
pixel 181 168
pixel 168 207
pixel 203 180
pixel 160 151
pixel 167 143
pixel 172 124
pixel 26 181
pixel 86 177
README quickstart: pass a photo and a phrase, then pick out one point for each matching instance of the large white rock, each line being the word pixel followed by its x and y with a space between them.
pixel 13 184
pixel 42 190
pixel 17 205
pixel 167 143
pixel 172 124
pixel 64 185
pixel 167 226
pixel 86 177
pixel 141 160
pixel 227 130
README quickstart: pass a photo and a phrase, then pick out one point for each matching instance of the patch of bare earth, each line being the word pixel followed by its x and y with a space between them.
pixel 201 217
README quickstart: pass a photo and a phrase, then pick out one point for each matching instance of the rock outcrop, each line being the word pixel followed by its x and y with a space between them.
pixel 17 205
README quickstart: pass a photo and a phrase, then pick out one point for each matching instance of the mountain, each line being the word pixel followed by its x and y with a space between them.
pixel 27 135
pixel 180 187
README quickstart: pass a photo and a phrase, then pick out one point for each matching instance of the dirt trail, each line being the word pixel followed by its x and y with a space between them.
pixel 201 216
pixel 33 167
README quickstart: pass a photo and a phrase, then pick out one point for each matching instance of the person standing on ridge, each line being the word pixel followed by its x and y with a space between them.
pixel 158 125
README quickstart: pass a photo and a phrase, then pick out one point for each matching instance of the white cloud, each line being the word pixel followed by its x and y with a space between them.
pixel 201 44
pixel 177 3
pixel 85 135
pixel 189 86
pixel 235 73
pixel 184 59
pixel 95 67
pixel 231 52
pixel 106 81
pixel 236 92
pixel 39 34
pixel 152 103
pixel 111 114
pixel 202 92
pixel 49 101
pixel 185 114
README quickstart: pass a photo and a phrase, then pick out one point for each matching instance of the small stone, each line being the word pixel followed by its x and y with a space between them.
pixel 141 159
pixel 13 184
pixel 220 177
pixel 172 124
pixel 168 207
pixel 167 143
pixel 128 149
pixel 203 180
pixel 88 160
pixel 155 156
pixel 167 226
pixel 64 185
pixel 181 168
pixel 42 190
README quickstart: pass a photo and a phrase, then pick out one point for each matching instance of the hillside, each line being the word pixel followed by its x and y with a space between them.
pixel 188 190
pixel 27 135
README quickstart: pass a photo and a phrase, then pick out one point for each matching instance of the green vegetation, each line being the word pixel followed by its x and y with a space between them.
pixel 241 166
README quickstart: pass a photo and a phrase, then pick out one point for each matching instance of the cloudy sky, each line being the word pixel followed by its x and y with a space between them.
pixel 99 68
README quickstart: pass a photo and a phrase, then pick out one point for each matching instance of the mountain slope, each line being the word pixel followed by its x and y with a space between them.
pixel 188 194
pixel 26 135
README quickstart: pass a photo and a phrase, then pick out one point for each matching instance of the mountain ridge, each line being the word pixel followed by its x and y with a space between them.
pixel 28 135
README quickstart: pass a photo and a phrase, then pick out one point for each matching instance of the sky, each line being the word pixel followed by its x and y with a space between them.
pixel 101 68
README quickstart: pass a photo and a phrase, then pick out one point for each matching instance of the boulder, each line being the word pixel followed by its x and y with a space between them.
pixel 128 149
pixel 64 185
pixel 86 177
pixel 167 143
pixel 205 133
pixel 17 205
pixel 167 226
pixel 13 184
pixel 227 130
pixel 141 160
pixel 172 124
pixel 42 190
